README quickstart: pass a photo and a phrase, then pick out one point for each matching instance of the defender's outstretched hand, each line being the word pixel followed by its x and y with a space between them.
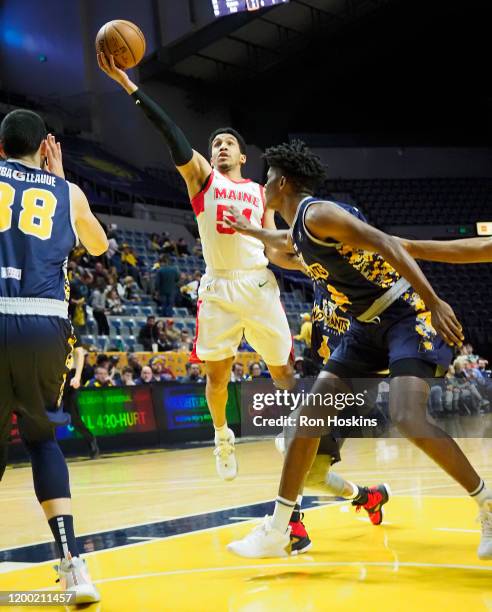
pixel 445 323
pixel 117 74
pixel 238 221
pixel 54 158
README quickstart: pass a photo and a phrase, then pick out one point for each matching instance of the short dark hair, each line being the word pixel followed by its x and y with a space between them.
pixel 298 163
pixel 227 130
pixel 21 133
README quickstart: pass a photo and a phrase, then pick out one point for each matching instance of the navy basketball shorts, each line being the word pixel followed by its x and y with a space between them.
pixel 402 332
pixel 34 352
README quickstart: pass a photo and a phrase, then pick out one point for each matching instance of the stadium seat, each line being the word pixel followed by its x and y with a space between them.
pixel 115 324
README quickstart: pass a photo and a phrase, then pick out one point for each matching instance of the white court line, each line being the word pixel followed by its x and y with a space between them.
pixel 289 566
pixel 188 533
pixel 10 566
pixel 456 529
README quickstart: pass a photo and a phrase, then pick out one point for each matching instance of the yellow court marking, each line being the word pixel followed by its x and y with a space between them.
pixel 406 565
pixel 423 558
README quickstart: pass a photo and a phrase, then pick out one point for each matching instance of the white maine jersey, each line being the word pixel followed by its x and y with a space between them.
pixel 223 247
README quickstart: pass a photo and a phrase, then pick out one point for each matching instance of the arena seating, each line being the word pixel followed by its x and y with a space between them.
pixel 420 201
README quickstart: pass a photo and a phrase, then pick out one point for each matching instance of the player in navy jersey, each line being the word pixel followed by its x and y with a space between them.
pixel 42 217
pixel 398 322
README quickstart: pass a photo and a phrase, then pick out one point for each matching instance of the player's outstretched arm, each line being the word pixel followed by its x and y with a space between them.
pixel 282 259
pixel 192 166
pixel 329 220
pixel 465 250
pixel 89 230
pixel 272 239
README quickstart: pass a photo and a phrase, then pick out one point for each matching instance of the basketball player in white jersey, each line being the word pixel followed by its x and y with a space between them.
pixel 238 294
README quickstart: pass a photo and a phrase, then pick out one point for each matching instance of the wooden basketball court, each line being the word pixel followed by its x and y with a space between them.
pixel 155 526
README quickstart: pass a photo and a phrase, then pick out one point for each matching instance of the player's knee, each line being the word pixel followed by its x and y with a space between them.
pixel 284 377
pixel 217 381
pixel 403 419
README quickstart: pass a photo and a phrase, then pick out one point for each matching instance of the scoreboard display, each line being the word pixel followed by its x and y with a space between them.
pixel 229 7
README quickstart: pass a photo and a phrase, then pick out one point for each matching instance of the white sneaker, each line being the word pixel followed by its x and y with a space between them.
pixel 485 547
pixel 263 541
pixel 74 576
pixel 225 456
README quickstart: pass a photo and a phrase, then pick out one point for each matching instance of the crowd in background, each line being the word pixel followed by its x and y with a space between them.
pixel 106 373
pixel 103 286
pixel 466 388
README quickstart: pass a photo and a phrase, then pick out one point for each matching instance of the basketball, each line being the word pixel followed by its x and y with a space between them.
pixel 122 39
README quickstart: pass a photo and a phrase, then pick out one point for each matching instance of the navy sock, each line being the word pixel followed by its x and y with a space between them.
pixel 62 530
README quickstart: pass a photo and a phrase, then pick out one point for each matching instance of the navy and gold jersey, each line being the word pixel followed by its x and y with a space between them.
pixel 36 237
pixel 329 326
pixel 353 278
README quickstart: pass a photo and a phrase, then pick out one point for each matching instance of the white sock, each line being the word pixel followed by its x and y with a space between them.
pixel 222 432
pixel 355 490
pixel 282 513
pixel 299 501
pixel 336 484
pixel 481 494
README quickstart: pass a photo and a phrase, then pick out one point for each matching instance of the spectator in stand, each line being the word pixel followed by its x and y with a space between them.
pixel 193 374
pixel 127 377
pixel 237 374
pixel 182 247
pixel 172 333
pixel 87 370
pixel 112 254
pixel 154 243
pixel 114 282
pixel 98 303
pixel 305 333
pixel 168 247
pixel 100 272
pixel 69 400
pixel 113 303
pixel 469 395
pixel 129 262
pixel 131 289
pixel 146 376
pixel 163 342
pixel 255 371
pixel 81 256
pixel 134 364
pixel 475 375
pixel 197 248
pixel 101 378
pixel 109 363
pixel 76 307
pixel 185 343
pixel 159 370
pixel 166 285
pixel 191 290
pixel 147 335
pixel 147 282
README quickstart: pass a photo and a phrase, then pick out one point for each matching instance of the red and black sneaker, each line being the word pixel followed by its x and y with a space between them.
pixel 299 539
pixel 372 499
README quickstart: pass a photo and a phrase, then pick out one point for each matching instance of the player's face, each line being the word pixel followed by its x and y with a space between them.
pixel 273 189
pixel 226 153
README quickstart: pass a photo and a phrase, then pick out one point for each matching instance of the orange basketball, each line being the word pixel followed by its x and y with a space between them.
pixel 122 39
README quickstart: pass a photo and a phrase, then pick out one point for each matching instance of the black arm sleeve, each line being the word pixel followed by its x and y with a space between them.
pixel 177 142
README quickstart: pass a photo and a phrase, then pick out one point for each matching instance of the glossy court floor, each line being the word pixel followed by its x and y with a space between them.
pixel 155 528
